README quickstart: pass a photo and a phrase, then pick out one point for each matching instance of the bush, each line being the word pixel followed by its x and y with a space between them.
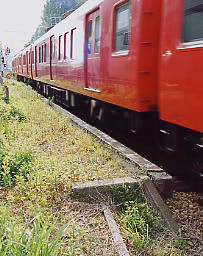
pixel 11 113
pixel 2 94
pixel 15 113
pixel 14 164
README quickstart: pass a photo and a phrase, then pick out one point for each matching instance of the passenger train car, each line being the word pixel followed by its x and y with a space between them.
pixel 138 58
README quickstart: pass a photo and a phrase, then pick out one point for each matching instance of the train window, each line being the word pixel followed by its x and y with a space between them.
pixel 42 55
pixel 73 43
pixel 97 35
pixel 39 54
pixel 193 21
pixel 66 45
pixel 33 57
pixel 36 54
pixel 53 49
pixel 122 26
pixel 45 53
pixel 90 37
pixel 60 48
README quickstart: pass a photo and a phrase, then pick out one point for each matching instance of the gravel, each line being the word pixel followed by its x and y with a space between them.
pixel 188 212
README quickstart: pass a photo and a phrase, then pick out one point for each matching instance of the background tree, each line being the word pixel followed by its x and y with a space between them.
pixel 52 13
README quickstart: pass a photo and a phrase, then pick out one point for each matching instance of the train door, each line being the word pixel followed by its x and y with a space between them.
pixel 93 51
pixel 52 58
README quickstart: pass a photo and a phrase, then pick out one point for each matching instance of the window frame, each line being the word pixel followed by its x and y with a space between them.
pixel 32 58
pixel 26 58
pixel 89 39
pixel 116 6
pixel 39 54
pixel 36 55
pixel 59 47
pixel 42 53
pixel 92 17
pixel 65 55
pixel 95 30
pixel 45 53
pixel 71 43
pixel 191 42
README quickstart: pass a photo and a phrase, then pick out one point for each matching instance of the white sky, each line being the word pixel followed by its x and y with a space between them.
pixel 18 21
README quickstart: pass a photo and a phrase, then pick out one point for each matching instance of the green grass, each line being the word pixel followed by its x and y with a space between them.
pixel 142 227
pixel 41 155
pixel 35 238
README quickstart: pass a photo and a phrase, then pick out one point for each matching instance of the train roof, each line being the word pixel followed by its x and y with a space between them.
pixel 61 26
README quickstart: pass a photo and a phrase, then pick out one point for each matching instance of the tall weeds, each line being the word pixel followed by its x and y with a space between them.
pixel 36 238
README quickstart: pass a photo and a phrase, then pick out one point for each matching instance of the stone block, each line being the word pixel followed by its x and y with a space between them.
pixel 104 187
pixel 154 198
pixel 163 182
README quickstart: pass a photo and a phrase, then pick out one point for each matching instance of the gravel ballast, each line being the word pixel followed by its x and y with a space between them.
pixel 188 213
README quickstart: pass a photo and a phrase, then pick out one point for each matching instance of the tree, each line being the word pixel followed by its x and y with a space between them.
pixel 52 13
pixel 79 2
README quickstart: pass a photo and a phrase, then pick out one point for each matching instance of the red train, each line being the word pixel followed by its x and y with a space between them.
pixel 141 59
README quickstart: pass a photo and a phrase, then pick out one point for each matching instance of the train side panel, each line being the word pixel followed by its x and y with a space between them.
pixel 181 80
pixel 124 75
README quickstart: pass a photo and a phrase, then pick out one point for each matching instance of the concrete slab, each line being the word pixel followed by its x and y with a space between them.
pixel 115 232
pixel 163 182
pixel 95 188
pixel 157 202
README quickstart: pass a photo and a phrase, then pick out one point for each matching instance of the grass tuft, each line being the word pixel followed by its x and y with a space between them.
pixel 36 238
pixel 13 165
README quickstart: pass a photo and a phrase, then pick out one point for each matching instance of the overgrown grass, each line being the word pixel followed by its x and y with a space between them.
pixel 142 228
pixel 2 93
pixel 41 154
pixel 137 220
pixel 34 239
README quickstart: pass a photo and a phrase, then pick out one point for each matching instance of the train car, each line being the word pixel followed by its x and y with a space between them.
pixel 106 50
pixel 180 73
pixel 140 59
